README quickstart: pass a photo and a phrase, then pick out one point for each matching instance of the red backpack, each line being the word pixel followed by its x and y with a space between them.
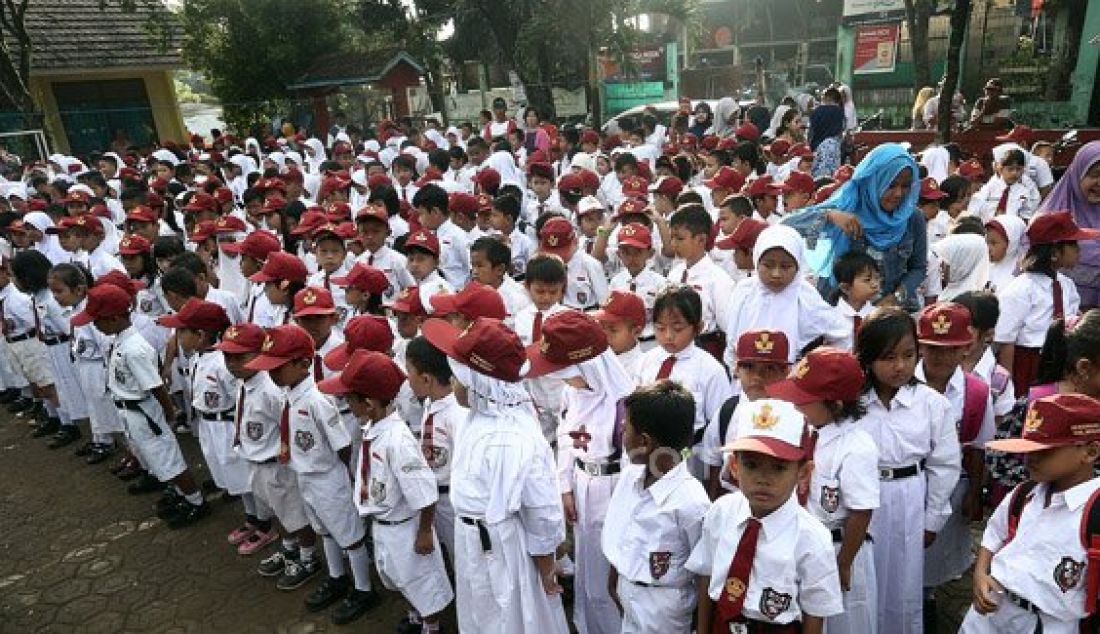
pixel 975 403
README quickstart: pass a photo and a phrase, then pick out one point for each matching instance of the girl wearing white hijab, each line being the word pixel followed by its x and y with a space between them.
pixel 45 243
pixel 1005 240
pixel 315 155
pixel 724 110
pixel 777 121
pixel 936 159
pixel 964 264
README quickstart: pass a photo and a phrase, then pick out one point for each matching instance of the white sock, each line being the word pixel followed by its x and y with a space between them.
pixel 194 498
pixel 334 557
pixel 360 567
pixel 290 544
pixel 249 503
pixel 307 553
pixel 51 411
pixel 103 439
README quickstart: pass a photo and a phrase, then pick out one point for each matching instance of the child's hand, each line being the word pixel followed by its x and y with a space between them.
pixel 548 574
pixel 845 571
pixel 987 592
pixel 424 544
pixel 569 505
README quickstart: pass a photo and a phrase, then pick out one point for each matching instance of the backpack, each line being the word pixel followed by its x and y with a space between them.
pixel 975 403
pixel 1090 539
pixel 725 415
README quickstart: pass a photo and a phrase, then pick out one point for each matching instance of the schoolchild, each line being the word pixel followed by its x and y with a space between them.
pixel 473 301
pixel 1004 237
pixel 545 281
pixel 281 276
pixel 454 247
pixel 742 242
pixel 137 257
pixel 364 289
pixel 373 225
pixel 422 251
pixel 623 318
pixel 984 312
pixel 28 354
pixel 858 279
pixel 586 285
pixel 489 260
pixel 1010 191
pixel 635 250
pixel 691 238
pixel 505 220
pixel 331 251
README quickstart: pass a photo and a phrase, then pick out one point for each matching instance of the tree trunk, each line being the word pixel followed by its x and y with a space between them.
pixel 1068 21
pixel 960 19
pixel 917 15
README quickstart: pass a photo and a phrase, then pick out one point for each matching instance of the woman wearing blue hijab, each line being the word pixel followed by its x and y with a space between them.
pixel 876 212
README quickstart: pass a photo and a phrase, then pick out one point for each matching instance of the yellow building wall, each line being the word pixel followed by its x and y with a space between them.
pixel 159 87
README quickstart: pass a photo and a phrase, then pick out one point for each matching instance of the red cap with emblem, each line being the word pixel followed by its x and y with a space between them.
pixel 369 374
pixel 636 235
pixel 257 245
pixel 557 237
pixel 313 300
pixel 944 324
pixel 726 178
pixel 103 301
pixel 463 203
pixel 930 189
pixel 628 207
pixel 365 278
pixel 568 338
pixel 229 224
pixel 203 231
pixel 408 301
pixel 667 186
pixel 487 179
pixel 763 346
pixel 972 170
pixel 1058 226
pixel 1055 421
pixel 201 202
pixel 424 240
pixel 802 151
pixel 825 374
pixel 281 266
pixel 622 306
pixel 823 194
pixel 487 347
pixel 141 213
pixel 763 186
pixel 134 244
pixel 282 345
pixel 114 277
pixel 242 338
pixel 197 314
pixel 1021 134
pixel 377 180
pixel 798 182
pixel 365 332
pixel 635 186
pixel 373 211
pixel 77 196
pixel 473 301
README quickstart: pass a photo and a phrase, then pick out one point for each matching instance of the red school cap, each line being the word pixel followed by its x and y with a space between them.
pixel 1058 226
pixel 944 324
pixel 281 345
pixel 242 338
pixel 568 338
pixel 313 300
pixel 622 306
pixel 744 236
pixel 408 301
pixel 423 239
pixel 364 277
pixel 364 332
pixel 726 178
pixel 636 235
pixel 197 314
pixel 763 346
pixel 473 301
pixel 930 189
pixel 487 346
pixel 103 301
pixel 257 245
pixel 798 182
pixel 825 374
pixel 1055 421
pixel 370 374
pixel 557 237
pixel 280 266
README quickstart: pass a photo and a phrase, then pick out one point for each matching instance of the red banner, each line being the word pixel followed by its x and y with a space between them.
pixel 876 48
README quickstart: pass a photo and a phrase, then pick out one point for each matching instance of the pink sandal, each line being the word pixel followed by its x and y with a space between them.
pixel 242 533
pixel 257 540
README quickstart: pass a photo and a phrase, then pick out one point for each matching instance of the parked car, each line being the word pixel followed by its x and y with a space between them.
pixel 632 118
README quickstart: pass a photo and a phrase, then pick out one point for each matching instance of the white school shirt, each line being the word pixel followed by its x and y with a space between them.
pixel 1045 562
pixel 263 313
pixel 794 557
pixel 52 320
pixel 18 310
pixel 646 284
pixel 394 265
pixel 398 227
pixel 918 428
pixel 649 533
pixel 316 431
pixel 545 391
pixel 535 208
pixel 633 361
pixel 1027 308
pixel 100 262
pixel 151 301
pixel 401 482
pixel 697 371
pixel 213 388
pixel 133 368
pixel 447 415
pixel 585 282
pixel 454 253
pixel 849 314
pixel 228 301
pixel 956 395
pixel 522 247
pixel 937 227
pixel 1023 199
pixel 258 418
pixel 405 192
pixel 515 299
pixel 714 286
pixel 433 284
pixel 1004 396
pixel 845 476
pixel 88 343
pixel 320 280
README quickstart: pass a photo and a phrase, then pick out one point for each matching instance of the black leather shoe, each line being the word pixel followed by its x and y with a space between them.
pixel 7 396
pixel 85 449
pixel 145 484
pixel 355 605
pixel 67 435
pixel 20 405
pixel 188 514
pixel 48 428
pixel 99 453
pixel 331 590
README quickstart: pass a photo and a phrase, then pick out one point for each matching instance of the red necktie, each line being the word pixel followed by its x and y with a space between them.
pixel 426 437
pixel 3 322
pixel 684 277
pixel 240 414
pixel 732 599
pixel 284 435
pixel 318 371
pixel 364 471
pixel 666 367
pixel 328 286
pixel 1056 292
pixel 370 260
pixel 857 323
pixel 1002 205
pixel 536 329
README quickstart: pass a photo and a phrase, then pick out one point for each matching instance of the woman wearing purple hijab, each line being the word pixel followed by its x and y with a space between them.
pixel 1079 191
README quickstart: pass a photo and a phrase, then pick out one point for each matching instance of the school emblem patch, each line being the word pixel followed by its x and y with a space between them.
pixel 439 457
pixel 1033 421
pixel 830 499
pixel 304 440
pixel 941 325
pixel 735 587
pixel 341 313
pixel 310 298
pixel 582 298
pixel 764 419
pixel 145 305
pixel 81 346
pixel 764 343
pixel 658 563
pixel 773 603
pixel 377 490
pixel 268 343
pixel 254 431
pixel 802 368
pixel 1067 574
pixel 121 376
pixel 210 399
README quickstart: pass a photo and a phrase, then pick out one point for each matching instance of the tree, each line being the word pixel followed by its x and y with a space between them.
pixel 250 51
pixel 918 13
pixel 960 18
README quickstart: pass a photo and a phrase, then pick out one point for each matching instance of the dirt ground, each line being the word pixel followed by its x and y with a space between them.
pixel 79 554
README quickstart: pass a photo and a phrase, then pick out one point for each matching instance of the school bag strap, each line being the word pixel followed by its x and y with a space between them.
pixel 1020 495
pixel 725 415
pixel 999 380
pixel 975 402
pixel 1090 539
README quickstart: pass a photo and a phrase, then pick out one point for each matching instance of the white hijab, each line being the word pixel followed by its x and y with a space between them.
pixel 505 164
pixel 777 120
pixel 319 156
pixel 494 398
pixel 967 258
pixel 1003 272
pixel 723 110
pixel 935 159
pixel 608 383
pixel 48 246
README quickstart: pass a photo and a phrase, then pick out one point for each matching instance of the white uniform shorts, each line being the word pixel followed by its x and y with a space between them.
pixel 421 579
pixel 30 360
pixel 229 470
pixel 159 454
pixel 1010 617
pixel 10 377
pixel 656 609
pixel 275 487
pixel 329 506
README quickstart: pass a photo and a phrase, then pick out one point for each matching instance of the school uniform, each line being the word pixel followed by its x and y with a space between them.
pixel 323 280
pixel 1027 310
pixel 407 191
pixel 706 379
pixel 228 301
pixel 794 567
pixel 393 485
pixel 995 198
pixel 845 479
pixel 546 392
pixel 454 253
pixel 89 350
pixel 314 435
pixel 213 390
pixel 585 282
pixel 714 441
pixel 535 207
pixel 54 331
pixel 132 375
pixel 515 299
pixel 273 484
pixel 648 535
pixel 646 284
pixel 101 262
pixel 262 312
pixel 436 434
pixel 433 284
pixel 937 227
pixel 919 465
pixel 715 289
pixel 522 248
pixel 1043 564
pixel 394 265
pixel 151 301
pixel 28 353
pixel 853 317
pixel 633 361
pixel 999 381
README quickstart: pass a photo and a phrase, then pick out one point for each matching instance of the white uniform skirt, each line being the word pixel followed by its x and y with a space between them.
pixel 69 393
pixel 898 530
pixel 102 413
pixel 593 610
pixel 952 553
pixel 421 579
pixel 227 467
pixel 860 615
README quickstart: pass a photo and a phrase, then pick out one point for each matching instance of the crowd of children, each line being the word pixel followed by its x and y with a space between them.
pixel 500 370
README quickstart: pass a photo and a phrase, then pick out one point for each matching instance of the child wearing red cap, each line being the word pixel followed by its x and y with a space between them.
pixel 1033 572
pixel 655 515
pixel 282 276
pixel 919 464
pixel 574 351
pixel 332 261
pixel 374 229
pixel 490 260
pixel 509 520
pixel 395 488
pixel 137 258
pixel 1040 294
pixel 135 385
pixel 623 318
pixel 18 320
pixel 733 245
pixel 635 252
pixel 422 248
pixel 763 560
pixel 364 288
pixel 586 281
pixel 316 445
pixel 844 490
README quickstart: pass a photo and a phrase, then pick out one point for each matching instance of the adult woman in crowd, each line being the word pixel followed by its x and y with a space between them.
pixel 702 121
pixel 917 116
pixel 826 130
pixel 1079 191
pixel 875 211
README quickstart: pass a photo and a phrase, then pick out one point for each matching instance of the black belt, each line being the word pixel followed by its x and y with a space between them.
pixel 444 489
pixel 838 536
pixel 391 522
pixel 135 406
pixel 268 461
pixel 345 412
pixel 697 436
pixel 898 473
pixel 53 341
pixel 227 416
pixel 647 339
pixel 646 584
pixel 1028 606
pixel 482 532
pixel 597 469
pixel 23 337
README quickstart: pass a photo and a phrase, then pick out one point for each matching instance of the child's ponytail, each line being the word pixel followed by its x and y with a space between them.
pixel 1067 342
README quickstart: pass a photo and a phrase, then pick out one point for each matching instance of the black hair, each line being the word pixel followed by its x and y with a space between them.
pixel 664 410
pixel 750 153
pixel 545 268
pixel 148 267
pixel 739 205
pixel 883 329
pixel 431 196
pixel 649 123
pixel 428 359
pixel 388 195
pixel 693 218
pixel 507 205
pixel 405 161
pixel 192 262
pixel 510 190
pixel 956 188
pixel 72 275
pixel 545 217
pixel 625 159
pixel 1040 258
pixel 853 409
pixel 456 152
pixel 167 247
pixel 689 197
pixel 494 250
pixel 968 224
pixel 1063 347
pixel 954 153
pixel 984 307
pixel 440 159
pixel 31 269
pixel 252 194
pixel 849 266
pixel 476 141
pixel 1013 158
pixel 682 299
pixel 180 281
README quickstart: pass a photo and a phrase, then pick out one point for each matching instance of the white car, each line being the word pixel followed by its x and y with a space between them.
pixel 632 118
